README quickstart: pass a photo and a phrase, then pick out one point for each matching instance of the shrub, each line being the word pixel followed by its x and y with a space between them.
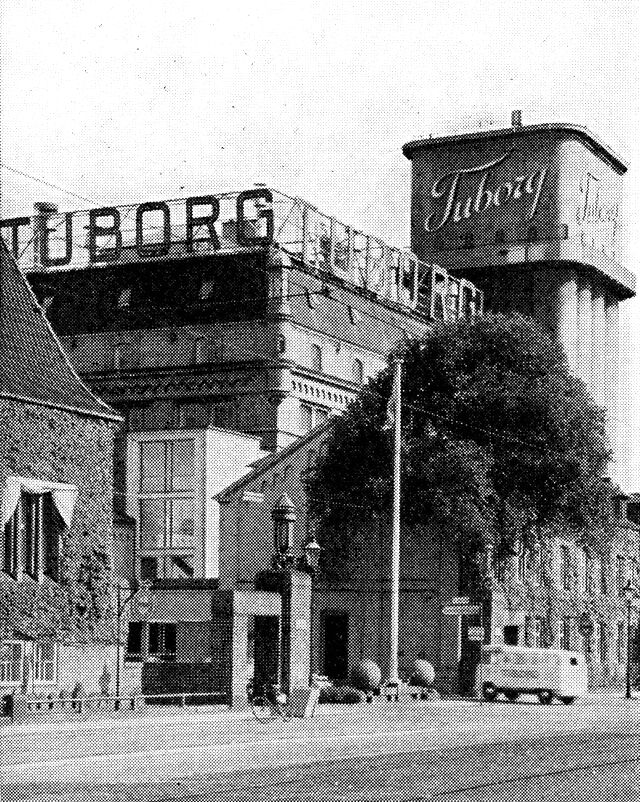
pixel 341 695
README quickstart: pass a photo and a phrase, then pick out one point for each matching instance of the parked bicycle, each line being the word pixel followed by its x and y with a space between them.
pixel 268 702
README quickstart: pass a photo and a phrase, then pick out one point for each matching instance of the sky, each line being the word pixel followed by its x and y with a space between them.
pixel 122 102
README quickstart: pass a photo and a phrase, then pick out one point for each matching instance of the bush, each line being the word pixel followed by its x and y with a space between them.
pixel 342 695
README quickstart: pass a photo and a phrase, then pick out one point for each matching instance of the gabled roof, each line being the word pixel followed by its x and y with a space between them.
pixel 33 366
pixel 266 463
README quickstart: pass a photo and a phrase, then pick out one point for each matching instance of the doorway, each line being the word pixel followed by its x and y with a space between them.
pixel 335 643
pixel 511 635
pixel 266 650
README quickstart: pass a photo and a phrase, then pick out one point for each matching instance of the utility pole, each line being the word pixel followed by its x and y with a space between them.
pixel 395 535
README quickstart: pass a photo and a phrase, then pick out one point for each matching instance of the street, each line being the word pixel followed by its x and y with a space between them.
pixel 450 750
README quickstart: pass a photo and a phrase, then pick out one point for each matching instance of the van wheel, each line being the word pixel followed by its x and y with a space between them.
pixel 512 696
pixel 567 700
pixel 489 691
pixel 545 697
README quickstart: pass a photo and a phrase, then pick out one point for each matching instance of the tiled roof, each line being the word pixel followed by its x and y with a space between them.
pixel 33 366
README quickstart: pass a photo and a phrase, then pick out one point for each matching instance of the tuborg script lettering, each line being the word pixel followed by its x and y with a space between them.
pixel 447 188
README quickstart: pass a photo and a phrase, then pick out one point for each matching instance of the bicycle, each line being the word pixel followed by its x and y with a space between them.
pixel 268 702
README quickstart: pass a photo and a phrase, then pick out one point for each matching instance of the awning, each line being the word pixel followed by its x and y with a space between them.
pixel 64 496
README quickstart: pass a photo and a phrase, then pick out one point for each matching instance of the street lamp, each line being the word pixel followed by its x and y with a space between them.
pixel 629 593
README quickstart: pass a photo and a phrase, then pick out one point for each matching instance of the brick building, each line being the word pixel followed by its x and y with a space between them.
pixel 563 597
pixel 56 444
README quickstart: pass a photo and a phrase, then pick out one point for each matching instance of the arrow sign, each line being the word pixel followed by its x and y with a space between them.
pixel 460 600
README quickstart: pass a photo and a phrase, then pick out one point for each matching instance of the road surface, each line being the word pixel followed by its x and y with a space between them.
pixel 449 750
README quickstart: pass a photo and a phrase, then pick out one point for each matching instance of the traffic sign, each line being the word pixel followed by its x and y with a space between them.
pixel 461 609
pixel 476 634
pixel 460 600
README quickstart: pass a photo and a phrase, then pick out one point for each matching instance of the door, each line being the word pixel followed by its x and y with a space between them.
pixel 266 651
pixel 511 635
pixel 336 646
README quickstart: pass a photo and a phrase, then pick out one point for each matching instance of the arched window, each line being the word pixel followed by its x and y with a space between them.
pixel 357 371
pixel 316 357
pixel 282 344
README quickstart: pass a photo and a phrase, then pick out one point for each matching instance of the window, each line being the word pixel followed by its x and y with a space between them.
pixel 11 662
pixel 167 466
pixel 357 371
pixel 565 633
pixel 535 564
pixel 45 662
pixel 199 350
pixel 206 290
pixel 522 562
pixel 621 572
pixel 499 571
pixel 602 642
pixel 603 575
pixel 316 357
pixel 532 234
pixel 587 572
pixel 193 416
pixel 311 415
pixel 162 642
pixel 31 537
pixel 620 651
pixel 306 418
pixel 148 568
pixel 500 236
pixel 282 344
pixel 124 298
pixel 565 567
pixel 167 508
pixel 533 630
pixel 166 524
pixel 134 641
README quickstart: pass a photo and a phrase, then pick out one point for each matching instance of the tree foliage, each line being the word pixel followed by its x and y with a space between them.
pixel 499 442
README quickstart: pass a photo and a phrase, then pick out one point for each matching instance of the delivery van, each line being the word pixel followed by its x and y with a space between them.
pixel 548 673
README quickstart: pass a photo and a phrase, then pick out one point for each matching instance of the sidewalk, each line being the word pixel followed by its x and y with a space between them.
pixel 154 715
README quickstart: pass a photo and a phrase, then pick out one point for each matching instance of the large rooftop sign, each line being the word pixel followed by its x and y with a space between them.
pixel 203 226
pixel 528 194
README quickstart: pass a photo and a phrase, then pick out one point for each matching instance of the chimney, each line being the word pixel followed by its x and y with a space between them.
pixel 42 211
pixel 516 118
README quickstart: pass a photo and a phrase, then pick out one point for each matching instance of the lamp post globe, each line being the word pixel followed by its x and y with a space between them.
pixel 312 551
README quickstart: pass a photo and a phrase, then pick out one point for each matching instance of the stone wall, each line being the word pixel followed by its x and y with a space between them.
pixel 62 446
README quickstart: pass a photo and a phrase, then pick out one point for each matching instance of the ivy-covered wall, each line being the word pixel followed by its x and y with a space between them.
pixel 591 600
pixel 62 446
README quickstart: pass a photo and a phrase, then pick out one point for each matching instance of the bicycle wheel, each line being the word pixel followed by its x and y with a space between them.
pixel 261 708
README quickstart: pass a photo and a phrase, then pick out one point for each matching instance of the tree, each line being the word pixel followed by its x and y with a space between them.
pixel 500 443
